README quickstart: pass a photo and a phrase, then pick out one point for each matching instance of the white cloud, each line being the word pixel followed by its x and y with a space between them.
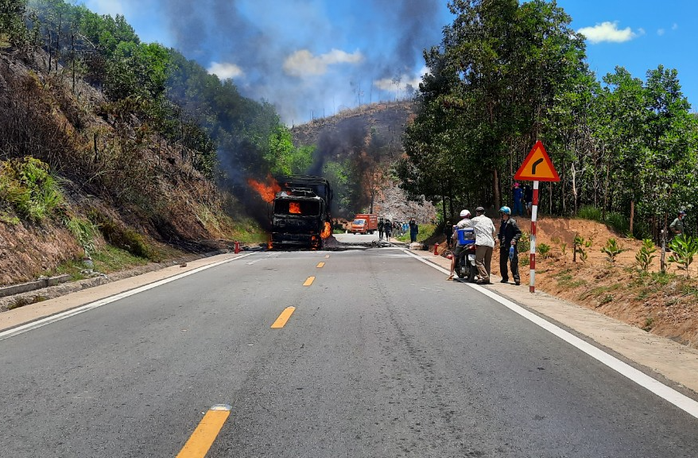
pixel 660 32
pixel 608 31
pixel 225 70
pixel 674 26
pixel 401 83
pixel 304 63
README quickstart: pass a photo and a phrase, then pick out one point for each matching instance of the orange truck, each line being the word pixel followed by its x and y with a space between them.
pixel 364 224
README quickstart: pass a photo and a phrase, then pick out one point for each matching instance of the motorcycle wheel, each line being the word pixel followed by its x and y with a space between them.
pixel 472 273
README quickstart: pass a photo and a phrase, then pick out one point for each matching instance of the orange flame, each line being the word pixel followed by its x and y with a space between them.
pixel 294 207
pixel 267 192
pixel 327 231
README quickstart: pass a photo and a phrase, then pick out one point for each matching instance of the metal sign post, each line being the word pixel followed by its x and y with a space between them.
pixel 534 217
pixel 536 167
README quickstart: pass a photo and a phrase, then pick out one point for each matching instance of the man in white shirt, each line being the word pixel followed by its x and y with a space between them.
pixel 485 236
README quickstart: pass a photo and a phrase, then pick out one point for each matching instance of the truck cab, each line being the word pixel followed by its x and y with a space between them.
pixel 364 224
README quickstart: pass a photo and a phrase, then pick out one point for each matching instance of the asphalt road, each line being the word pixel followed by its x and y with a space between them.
pixel 380 358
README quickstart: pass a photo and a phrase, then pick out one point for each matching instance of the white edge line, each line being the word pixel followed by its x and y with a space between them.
pixel 681 401
pixel 93 305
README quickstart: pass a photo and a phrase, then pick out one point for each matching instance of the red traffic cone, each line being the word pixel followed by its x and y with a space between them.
pixel 436 247
pixel 237 247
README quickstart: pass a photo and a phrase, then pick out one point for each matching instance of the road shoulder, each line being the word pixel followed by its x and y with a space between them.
pixel 660 357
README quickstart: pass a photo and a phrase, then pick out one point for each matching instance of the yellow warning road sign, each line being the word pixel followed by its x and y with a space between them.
pixel 537 166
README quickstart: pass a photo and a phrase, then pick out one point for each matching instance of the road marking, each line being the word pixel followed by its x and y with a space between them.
pixel 283 318
pixel 681 401
pixel 309 281
pixel 327 256
pixel 107 300
pixel 320 265
pixel 203 436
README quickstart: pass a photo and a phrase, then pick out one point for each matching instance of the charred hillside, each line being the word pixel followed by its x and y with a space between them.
pixel 81 175
pixel 368 140
pixel 348 130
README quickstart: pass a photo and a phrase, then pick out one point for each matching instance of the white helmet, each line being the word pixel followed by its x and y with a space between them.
pixel 464 214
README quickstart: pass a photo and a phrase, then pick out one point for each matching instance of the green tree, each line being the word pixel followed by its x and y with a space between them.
pixel 501 69
pixel 622 115
pixel 284 157
pixel 669 170
pixel 13 32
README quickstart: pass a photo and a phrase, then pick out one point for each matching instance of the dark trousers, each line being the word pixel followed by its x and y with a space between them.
pixel 503 260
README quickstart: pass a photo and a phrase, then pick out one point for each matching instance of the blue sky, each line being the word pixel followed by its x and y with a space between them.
pixel 312 58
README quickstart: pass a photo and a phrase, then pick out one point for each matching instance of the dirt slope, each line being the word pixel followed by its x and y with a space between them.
pixel 665 305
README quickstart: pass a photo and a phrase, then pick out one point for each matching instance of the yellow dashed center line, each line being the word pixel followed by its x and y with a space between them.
pixel 203 436
pixel 283 318
pixel 321 264
pixel 309 281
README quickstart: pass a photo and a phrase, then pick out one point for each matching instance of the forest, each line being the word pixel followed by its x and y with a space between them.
pixel 507 74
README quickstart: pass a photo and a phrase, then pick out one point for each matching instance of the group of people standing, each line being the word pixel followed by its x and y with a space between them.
pixel 386 228
pixel 485 240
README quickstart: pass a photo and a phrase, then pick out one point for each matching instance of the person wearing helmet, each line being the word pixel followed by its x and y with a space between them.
pixel 509 235
pixel 484 243
pixel 465 222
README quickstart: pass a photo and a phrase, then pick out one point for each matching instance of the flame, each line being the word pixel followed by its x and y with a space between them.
pixel 327 231
pixel 294 208
pixel 267 192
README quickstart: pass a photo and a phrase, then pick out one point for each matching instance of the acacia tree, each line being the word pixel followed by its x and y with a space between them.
pixel 668 174
pixel 620 117
pixel 429 169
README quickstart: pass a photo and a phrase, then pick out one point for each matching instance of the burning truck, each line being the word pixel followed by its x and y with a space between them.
pixel 300 211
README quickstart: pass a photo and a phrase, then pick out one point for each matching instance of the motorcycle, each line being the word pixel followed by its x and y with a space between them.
pixel 465 262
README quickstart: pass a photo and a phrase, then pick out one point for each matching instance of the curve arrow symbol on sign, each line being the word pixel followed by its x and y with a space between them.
pixel 535 164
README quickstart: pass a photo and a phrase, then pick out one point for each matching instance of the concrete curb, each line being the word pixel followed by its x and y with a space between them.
pixel 42 282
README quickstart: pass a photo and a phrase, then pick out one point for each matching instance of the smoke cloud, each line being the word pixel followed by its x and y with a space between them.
pixel 298 56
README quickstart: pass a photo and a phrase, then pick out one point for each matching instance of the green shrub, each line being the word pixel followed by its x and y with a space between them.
pixel 84 232
pixel 618 222
pixel 579 247
pixel 29 188
pixel 645 256
pixel 544 250
pixel 683 250
pixel 612 249
pixel 524 244
pixel 122 237
pixel 591 213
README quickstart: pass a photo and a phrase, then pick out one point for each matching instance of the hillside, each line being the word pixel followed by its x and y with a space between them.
pixel 370 138
pixel 120 193
pixel 662 304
